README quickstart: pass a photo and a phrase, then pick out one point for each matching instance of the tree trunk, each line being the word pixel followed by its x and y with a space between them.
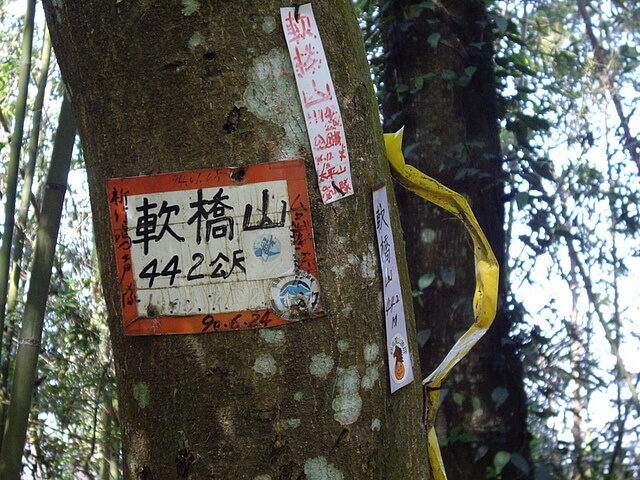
pixel 439 84
pixel 178 86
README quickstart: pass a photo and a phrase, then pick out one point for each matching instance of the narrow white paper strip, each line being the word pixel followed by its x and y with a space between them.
pixel 319 102
pixel 400 370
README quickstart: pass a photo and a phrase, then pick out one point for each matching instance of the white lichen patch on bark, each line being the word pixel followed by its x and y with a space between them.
pixel 343 346
pixel 371 352
pixel 272 336
pixel 195 41
pixel 347 405
pixel 339 270
pixel 428 235
pixel 321 365
pixel 369 265
pixel 272 95
pixel 268 24
pixel 367 262
pixel 141 394
pixel 320 469
pixel 294 422
pixel 375 424
pixel 370 377
pixel 289 423
pixel 265 365
pixel 340 243
pixel 189 7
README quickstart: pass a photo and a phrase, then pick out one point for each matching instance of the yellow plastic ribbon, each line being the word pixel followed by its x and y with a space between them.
pixel 486 294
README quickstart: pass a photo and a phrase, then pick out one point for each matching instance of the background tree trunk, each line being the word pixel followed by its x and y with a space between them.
pixel 439 84
pixel 176 86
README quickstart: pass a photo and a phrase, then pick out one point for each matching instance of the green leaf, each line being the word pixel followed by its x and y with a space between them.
pixel 501 460
pixel 448 75
pixel 467 438
pixel 466 76
pixel 501 23
pixel 428 5
pixel 426 280
pixel 458 398
pixel 434 39
pixel 481 452
pixel 520 463
pixel 543 167
pixel 522 199
pixel 417 83
pixel 499 395
pixel 534 122
pixel 475 403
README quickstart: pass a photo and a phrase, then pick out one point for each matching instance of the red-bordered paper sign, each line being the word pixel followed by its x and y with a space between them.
pixel 214 250
pixel 319 102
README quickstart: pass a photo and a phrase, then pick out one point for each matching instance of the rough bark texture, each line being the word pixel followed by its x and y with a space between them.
pixel 451 134
pixel 171 86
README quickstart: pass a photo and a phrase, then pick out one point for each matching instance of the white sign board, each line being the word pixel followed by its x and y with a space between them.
pixel 319 102
pixel 398 356
pixel 215 250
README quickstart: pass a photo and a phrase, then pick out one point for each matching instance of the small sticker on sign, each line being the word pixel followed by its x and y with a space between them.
pixel 319 103
pixel 200 251
pixel 268 253
pixel 296 296
pixel 400 369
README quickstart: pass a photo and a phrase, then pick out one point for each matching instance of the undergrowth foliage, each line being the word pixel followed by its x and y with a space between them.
pixel 73 431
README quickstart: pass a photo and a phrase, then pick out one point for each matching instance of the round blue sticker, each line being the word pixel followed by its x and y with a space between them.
pixel 295 297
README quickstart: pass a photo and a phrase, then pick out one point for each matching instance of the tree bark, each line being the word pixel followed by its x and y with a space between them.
pixel 439 84
pixel 169 87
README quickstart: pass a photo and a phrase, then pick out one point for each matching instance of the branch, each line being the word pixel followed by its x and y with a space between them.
pixel 607 330
pixel 4 122
pixel 630 142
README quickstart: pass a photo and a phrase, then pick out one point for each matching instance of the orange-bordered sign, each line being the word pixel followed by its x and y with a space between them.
pixel 214 250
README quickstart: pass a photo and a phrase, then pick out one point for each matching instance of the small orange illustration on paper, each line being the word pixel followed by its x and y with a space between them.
pixel 398 350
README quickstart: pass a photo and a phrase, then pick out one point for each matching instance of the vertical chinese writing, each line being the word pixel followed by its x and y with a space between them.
pixel 302 235
pixel 397 345
pixel 122 242
pixel 319 103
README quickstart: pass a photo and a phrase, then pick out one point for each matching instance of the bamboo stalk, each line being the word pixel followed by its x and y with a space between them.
pixel 29 171
pixel 21 223
pixel 14 159
pixel 33 317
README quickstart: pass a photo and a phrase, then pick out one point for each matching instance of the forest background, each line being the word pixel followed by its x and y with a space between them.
pixel 567 74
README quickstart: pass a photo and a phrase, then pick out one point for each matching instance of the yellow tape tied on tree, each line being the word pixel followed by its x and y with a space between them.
pixel 486 293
